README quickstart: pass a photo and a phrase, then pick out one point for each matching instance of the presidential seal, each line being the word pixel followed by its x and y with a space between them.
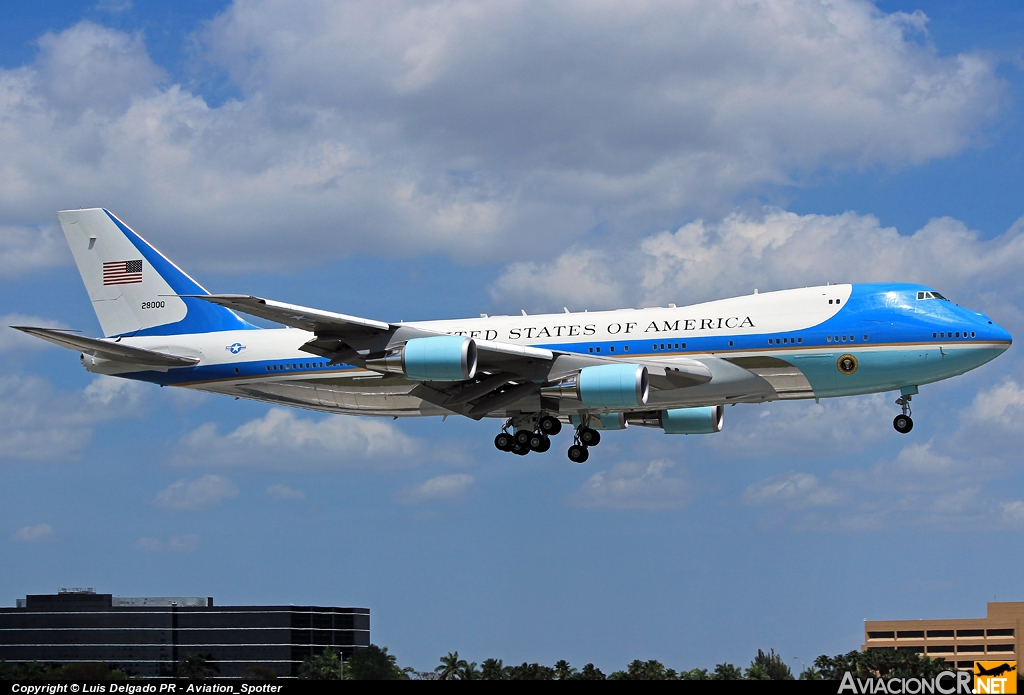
pixel 847 364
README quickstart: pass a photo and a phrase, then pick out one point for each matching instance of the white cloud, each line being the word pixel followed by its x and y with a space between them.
pixel 779 249
pixel 283 492
pixel 176 544
pixel 793 490
pixel 634 485
pixel 31 534
pixel 105 390
pixel 1001 405
pixel 281 440
pixel 208 491
pixel 24 250
pixel 456 126
pixel 443 488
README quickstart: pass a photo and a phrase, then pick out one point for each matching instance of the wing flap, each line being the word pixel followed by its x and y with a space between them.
pixel 107 349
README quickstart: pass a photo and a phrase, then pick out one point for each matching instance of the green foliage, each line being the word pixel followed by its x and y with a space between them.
pixel 768 667
pixel 810 674
pixel 493 670
pixel 880 664
pixel 373 664
pixel 727 672
pixel 531 672
pixel 325 666
pixel 694 674
pixel 590 673
pixel 563 671
pixel 452 668
pixel 641 671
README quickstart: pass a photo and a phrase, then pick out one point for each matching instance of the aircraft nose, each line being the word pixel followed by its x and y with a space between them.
pixel 1001 334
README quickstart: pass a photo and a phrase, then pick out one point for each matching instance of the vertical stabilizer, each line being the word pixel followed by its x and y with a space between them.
pixel 134 289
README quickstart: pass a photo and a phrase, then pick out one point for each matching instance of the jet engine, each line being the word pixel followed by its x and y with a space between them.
pixel 606 386
pixel 438 358
pixel 704 420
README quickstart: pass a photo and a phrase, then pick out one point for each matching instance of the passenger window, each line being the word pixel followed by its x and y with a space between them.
pixel 626 348
pixel 828 339
pixel 837 301
pixel 830 301
pixel 935 335
pixel 865 336
pixel 799 340
pixel 769 341
pixel 611 349
pixel 730 343
pixel 597 349
pixel 972 334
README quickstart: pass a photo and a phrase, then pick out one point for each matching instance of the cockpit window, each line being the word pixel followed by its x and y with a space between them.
pixel 930 295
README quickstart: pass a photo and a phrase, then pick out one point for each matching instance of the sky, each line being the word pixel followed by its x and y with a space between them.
pixel 417 160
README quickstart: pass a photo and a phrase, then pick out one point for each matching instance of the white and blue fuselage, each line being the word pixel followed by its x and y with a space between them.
pixel 788 343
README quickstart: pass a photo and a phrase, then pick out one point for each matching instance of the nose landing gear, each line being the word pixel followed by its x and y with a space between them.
pixel 904 423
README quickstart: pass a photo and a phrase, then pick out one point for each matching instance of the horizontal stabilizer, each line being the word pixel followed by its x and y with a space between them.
pixel 108 350
pixel 313 320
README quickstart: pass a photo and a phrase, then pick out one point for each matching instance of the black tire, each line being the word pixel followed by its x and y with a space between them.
pixel 545 444
pixel 550 425
pixel 523 437
pixel 536 441
pixel 903 423
pixel 589 437
pixel 520 450
pixel 504 441
pixel 578 454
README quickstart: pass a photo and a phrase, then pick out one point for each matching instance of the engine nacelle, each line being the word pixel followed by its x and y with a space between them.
pixel 613 386
pixel 703 420
pixel 438 358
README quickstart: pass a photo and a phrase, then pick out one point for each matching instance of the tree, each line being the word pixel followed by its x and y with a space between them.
pixel 694 674
pixel 810 674
pixel 771 668
pixel 452 668
pixel 886 663
pixel 325 666
pixel 531 672
pixel 590 673
pixel 373 664
pixel 493 670
pixel 728 672
pixel 195 667
pixel 563 671
pixel 641 671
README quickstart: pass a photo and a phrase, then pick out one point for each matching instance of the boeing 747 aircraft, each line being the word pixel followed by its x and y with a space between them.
pixel 670 368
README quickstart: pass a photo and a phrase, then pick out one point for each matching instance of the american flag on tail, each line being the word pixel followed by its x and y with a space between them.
pixel 122 272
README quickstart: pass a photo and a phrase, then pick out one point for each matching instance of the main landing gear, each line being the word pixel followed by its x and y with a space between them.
pixel 524 434
pixel 584 439
pixel 531 434
pixel 904 423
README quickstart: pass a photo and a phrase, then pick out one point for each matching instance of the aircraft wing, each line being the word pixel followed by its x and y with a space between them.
pixel 107 349
pixel 317 321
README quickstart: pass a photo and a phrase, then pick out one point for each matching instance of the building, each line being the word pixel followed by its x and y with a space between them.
pixel 962 640
pixel 150 636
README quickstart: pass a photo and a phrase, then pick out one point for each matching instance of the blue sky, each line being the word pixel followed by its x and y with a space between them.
pixel 413 161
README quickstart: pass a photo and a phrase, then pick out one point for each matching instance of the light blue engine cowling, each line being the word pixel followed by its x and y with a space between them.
pixel 613 386
pixel 604 421
pixel 439 358
pixel 705 420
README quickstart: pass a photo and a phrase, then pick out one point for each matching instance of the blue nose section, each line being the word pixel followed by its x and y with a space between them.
pixel 998 333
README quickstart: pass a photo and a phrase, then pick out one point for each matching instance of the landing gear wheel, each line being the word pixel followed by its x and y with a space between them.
pixel 504 441
pixel 589 437
pixel 903 423
pixel 520 450
pixel 540 443
pixel 523 437
pixel 549 425
pixel 578 454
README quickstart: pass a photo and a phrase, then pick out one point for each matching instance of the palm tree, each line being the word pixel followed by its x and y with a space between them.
pixel 492 670
pixel 452 668
pixel 563 671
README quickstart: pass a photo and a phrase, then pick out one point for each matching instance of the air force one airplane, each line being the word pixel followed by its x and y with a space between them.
pixel 671 368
